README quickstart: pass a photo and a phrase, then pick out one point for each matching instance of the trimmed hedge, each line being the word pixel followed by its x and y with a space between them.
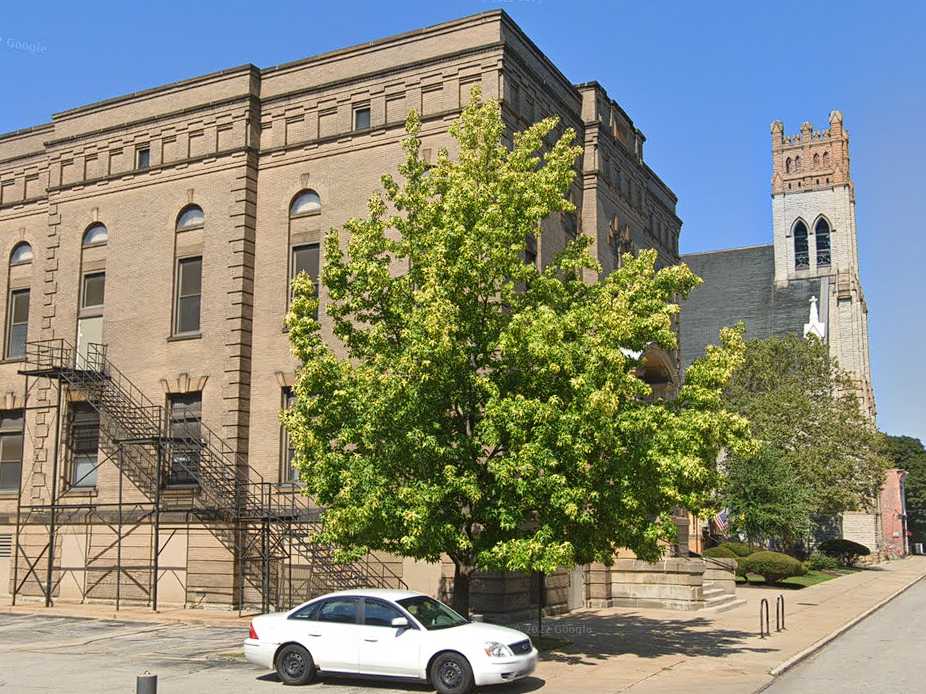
pixel 844 550
pixel 724 552
pixel 720 552
pixel 740 549
pixel 822 562
pixel 773 566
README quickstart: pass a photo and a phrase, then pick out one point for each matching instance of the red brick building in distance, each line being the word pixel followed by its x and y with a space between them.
pixel 894 514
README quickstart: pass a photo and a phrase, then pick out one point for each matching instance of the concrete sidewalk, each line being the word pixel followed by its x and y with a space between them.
pixel 646 651
pixel 618 650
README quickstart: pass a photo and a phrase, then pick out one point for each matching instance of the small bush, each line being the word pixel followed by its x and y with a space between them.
pixel 845 551
pixel 740 549
pixel 822 562
pixel 720 552
pixel 724 552
pixel 773 566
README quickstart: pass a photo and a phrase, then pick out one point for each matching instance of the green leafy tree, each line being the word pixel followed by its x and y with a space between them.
pixel 478 408
pixel 767 499
pixel 803 408
pixel 907 453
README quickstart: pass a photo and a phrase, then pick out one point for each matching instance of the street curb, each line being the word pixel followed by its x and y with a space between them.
pixel 813 648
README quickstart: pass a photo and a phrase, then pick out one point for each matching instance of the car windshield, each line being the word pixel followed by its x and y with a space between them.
pixel 431 613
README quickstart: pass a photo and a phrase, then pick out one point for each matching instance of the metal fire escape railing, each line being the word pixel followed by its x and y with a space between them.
pixel 272 525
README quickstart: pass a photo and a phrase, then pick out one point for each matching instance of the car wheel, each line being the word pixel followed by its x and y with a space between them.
pixel 451 674
pixel 295 665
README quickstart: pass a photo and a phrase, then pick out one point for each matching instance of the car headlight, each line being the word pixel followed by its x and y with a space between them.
pixel 494 649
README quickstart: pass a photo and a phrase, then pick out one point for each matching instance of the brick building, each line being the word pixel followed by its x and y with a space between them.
pixel 150 239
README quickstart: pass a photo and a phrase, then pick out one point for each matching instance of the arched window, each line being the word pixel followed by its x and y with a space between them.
pixel 96 234
pixel 826 159
pixel 190 217
pixel 797 163
pixel 22 254
pixel 306 202
pixel 816 161
pixel 801 249
pixel 822 233
pixel 788 165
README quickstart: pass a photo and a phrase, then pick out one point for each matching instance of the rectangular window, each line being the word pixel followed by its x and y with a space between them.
pixel 85 444
pixel 306 259
pixel 11 449
pixel 362 118
pixel 287 452
pixel 17 324
pixel 189 295
pixel 93 290
pixel 186 412
pixel 142 158
pixel 6 546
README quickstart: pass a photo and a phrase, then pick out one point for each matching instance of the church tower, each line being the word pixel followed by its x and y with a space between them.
pixel 813 219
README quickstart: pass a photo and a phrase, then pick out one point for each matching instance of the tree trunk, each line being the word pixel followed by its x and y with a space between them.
pixel 461 576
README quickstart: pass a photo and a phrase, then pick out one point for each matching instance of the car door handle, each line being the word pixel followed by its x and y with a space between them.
pixel 371 640
pixel 311 634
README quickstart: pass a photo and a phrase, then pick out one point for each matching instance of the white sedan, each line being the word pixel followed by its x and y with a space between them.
pixel 392 633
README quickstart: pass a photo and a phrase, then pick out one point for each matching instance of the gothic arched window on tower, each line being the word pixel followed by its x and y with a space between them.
pixel 801 249
pixel 797 163
pixel 788 165
pixel 816 161
pixel 826 159
pixel 822 233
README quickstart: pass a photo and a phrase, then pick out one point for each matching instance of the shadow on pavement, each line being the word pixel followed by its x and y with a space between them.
pixel 528 684
pixel 593 638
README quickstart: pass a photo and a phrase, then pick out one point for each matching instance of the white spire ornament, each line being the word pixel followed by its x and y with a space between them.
pixel 815 325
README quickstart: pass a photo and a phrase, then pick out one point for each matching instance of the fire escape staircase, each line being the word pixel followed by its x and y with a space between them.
pixel 267 527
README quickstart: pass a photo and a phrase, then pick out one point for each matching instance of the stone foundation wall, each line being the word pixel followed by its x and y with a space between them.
pixel 676 583
pixel 720 573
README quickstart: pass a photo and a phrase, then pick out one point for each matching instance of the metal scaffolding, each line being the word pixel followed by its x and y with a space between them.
pixel 266 530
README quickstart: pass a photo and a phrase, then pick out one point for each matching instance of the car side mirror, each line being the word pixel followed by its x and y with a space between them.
pixel 400 622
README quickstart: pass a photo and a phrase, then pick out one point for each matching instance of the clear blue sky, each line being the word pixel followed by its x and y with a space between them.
pixel 702 80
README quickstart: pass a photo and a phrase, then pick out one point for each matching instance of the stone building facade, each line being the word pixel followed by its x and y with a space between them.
pixel 165 225
pixel 807 281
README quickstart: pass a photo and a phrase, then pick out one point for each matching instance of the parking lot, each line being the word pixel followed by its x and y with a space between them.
pixel 72 655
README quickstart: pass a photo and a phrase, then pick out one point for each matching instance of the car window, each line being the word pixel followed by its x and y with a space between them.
pixel 379 614
pixel 307 612
pixel 431 613
pixel 342 610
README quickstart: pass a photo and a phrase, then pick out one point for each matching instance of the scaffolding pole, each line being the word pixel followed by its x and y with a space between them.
pixel 54 502
pixel 119 534
pixel 157 529
pixel 19 497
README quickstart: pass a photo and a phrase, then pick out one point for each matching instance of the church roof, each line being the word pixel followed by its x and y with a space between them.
pixel 739 285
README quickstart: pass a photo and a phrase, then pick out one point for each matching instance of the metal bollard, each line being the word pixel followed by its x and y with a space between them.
pixel 764 627
pixel 780 613
pixel 146 684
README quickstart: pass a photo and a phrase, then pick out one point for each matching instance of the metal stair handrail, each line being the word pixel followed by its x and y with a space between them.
pixel 254 498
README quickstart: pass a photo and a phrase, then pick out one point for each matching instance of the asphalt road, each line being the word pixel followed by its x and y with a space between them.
pixel 883 654
pixel 73 656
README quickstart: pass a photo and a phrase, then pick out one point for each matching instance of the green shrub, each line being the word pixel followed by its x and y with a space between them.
pixel 822 562
pixel 740 549
pixel 845 551
pixel 773 566
pixel 720 552
pixel 724 552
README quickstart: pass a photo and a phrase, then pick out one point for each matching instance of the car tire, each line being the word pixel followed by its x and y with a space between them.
pixel 295 665
pixel 451 674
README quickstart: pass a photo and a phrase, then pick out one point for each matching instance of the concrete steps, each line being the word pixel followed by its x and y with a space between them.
pixel 718 599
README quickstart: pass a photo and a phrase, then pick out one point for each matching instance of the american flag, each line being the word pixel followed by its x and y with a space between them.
pixel 720 521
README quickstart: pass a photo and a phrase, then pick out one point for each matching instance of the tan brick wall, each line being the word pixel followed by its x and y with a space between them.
pixel 240 144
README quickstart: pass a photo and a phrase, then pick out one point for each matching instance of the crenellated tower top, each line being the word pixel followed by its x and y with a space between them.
pixel 811 159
